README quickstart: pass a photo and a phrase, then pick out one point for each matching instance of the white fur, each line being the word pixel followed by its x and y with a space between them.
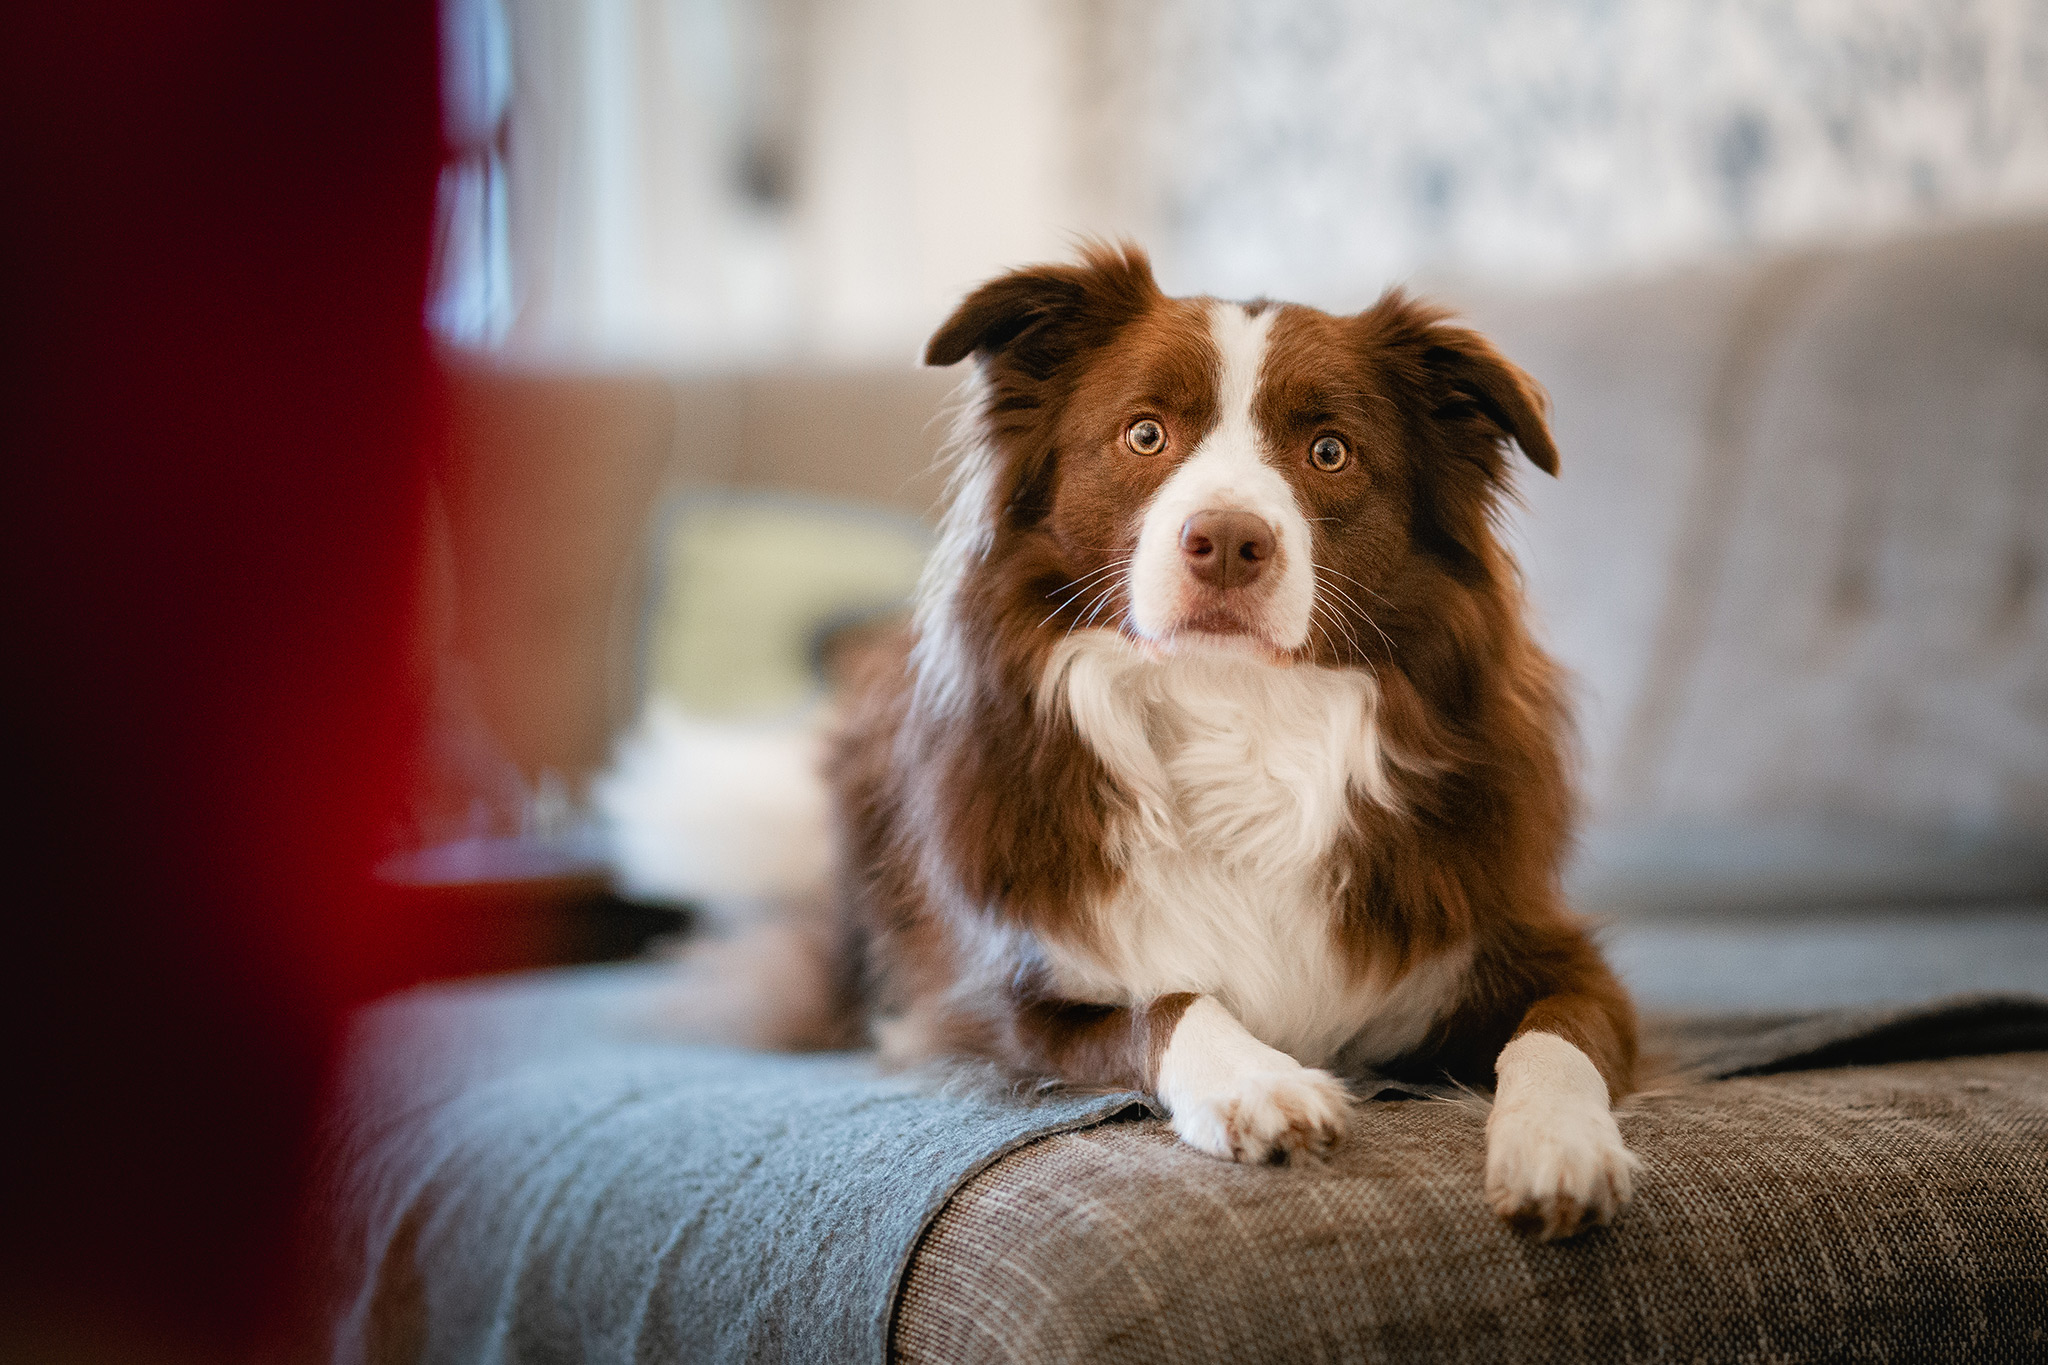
pixel 730 815
pixel 734 818
pixel 966 533
pixel 1229 470
pixel 1232 1096
pixel 1554 1154
pixel 1243 772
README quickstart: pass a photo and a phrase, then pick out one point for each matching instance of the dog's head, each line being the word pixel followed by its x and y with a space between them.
pixel 1203 474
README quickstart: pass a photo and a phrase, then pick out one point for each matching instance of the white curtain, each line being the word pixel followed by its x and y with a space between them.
pixel 470 299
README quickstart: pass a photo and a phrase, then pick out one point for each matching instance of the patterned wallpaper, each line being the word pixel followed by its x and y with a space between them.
pixel 1306 146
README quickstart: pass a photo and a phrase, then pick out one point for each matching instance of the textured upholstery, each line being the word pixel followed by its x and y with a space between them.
pixel 1883 1213
pixel 525 1170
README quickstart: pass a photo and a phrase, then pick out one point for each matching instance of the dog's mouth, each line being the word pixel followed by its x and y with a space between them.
pixel 1218 621
pixel 1232 625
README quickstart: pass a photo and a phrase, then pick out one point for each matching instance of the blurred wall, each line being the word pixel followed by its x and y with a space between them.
pixel 719 183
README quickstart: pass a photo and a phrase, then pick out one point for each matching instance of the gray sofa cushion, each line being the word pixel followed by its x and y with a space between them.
pixel 1884 1213
pixel 1780 962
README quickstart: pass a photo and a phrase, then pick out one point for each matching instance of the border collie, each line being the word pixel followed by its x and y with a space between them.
pixel 1218 759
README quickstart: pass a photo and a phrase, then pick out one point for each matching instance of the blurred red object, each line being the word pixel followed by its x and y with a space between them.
pixel 218 415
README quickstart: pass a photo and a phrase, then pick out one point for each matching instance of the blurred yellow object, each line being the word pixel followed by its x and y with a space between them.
pixel 746 588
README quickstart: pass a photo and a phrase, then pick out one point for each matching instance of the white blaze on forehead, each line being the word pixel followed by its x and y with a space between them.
pixel 1230 469
pixel 1241 340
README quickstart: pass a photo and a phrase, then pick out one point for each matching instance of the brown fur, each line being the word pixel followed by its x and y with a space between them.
pixel 994 812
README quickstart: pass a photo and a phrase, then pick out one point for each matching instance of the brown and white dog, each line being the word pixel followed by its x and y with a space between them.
pixel 1218 758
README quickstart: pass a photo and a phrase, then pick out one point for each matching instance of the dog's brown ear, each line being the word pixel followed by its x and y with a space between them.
pixel 998 312
pixel 1041 315
pixel 1465 402
pixel 1479 380
pixel 1461 376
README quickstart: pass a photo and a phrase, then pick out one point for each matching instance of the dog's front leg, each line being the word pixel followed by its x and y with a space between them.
pixel 1232 1096
pixel 1555 1161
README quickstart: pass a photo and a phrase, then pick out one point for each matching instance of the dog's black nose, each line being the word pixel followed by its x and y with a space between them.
pixel 1226 549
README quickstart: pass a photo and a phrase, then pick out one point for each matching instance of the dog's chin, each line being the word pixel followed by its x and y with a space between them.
pixel 1223 623
pixel 1217 630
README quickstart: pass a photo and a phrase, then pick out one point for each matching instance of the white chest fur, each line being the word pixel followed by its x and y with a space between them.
pixel 1243 773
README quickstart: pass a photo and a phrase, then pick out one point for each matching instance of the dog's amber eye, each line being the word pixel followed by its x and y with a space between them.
pixel 1329 454
pixel 1145 437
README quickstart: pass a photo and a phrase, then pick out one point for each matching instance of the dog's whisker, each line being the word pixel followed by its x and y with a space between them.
pixel 1354 582
pixel 1067 593
pixel 1096 603
pixel 1367 617
pixel 1111 567
pixel 1077 584
pixel 1317 624
pixel 1102 600
pixel 1349 601
pixel 1333 619
pixel 1349 633
pixel 1341 595
pixel 1328 643
pixel 1066 601
pixel 1331 585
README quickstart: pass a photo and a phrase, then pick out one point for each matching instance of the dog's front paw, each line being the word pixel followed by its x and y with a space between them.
pixel 1266 1115
pixel 1557 1168
pixel 1233 1096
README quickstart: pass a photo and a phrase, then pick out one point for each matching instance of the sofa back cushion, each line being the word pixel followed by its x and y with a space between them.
pixel 1799 559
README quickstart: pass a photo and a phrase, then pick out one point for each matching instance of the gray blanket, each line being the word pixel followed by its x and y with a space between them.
pixel 526 1171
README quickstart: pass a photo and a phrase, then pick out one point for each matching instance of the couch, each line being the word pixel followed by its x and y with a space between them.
pixel 1799 562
